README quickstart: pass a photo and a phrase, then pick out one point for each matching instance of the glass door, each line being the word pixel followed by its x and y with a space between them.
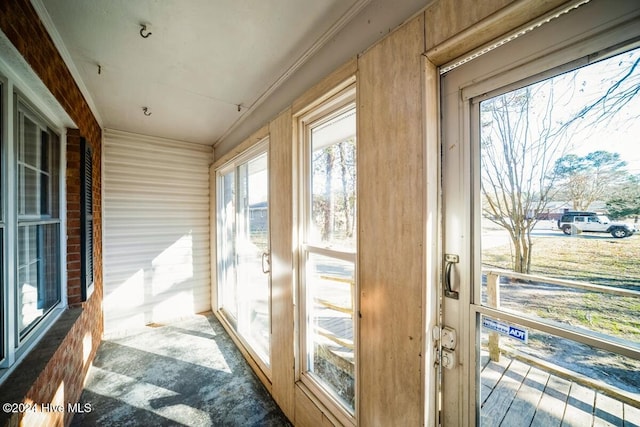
pixel 244 283
pixel 541 283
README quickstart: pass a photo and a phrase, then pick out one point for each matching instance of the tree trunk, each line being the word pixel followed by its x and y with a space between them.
pixel 345 191
pixel 327 227
pixel 522 251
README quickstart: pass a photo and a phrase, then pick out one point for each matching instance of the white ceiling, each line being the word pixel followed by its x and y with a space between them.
pixel 202 59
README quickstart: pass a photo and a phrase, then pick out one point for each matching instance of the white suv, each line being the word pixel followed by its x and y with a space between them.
pixel 590 222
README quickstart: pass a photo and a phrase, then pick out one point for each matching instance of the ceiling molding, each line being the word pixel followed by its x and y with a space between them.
pixel 316 46
pixel 44 16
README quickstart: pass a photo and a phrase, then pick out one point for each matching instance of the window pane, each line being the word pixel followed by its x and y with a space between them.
pixel 560 191
pixel 333 182
pixel 45 196
pixel 244 283
pixel 38 288
pixel 330 292
pixel 257 220
pixel 45 148
pixel 29 191
pixel 27 276
pixel 38 167
pixel 226 244
pixel 252 243
pixel 29 152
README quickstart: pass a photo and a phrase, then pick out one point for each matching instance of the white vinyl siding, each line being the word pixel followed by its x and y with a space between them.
pixel 156 230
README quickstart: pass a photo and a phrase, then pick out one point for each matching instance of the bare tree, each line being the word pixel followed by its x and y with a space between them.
pixel 346 150
pixel 334 190
pixel 585 179
pixel 517 164
pixel 625 200
pixel 625 86
pixel 327 228
pixel 525 131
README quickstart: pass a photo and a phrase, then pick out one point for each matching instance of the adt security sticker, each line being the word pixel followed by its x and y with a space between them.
pixel 505 329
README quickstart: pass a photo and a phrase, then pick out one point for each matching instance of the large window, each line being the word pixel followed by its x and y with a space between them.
pixel 328 250
pixel 30 229
pixel 38 165
pixel 244 280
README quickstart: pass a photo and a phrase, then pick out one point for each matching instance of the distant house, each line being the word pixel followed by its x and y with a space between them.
pixel 554 210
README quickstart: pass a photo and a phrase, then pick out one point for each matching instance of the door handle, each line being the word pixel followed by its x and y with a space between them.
pixel 266 260
pixel 449 260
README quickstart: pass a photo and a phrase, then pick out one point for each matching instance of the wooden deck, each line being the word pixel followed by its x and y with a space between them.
pixel 516 394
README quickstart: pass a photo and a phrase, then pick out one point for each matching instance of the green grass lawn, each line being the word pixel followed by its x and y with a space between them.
pixel 592 258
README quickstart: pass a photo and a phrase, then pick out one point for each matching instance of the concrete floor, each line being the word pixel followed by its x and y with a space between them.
pixel 188 373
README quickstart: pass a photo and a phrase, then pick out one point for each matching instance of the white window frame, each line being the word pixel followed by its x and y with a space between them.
pixel 340 100
pixel 40 218
pixel 13 101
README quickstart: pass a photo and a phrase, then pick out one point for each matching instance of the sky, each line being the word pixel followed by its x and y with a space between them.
pixel 555 102
pixel 622 134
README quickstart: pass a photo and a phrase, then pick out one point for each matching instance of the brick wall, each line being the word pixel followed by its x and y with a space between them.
pixel 61 378
pixel 74 252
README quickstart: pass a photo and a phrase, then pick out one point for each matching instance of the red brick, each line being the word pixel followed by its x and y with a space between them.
pixel 73 240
